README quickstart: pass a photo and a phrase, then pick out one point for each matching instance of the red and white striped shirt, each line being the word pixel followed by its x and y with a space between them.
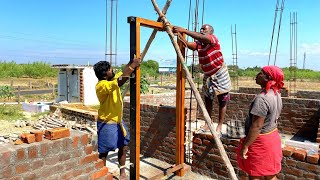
pixel 210 56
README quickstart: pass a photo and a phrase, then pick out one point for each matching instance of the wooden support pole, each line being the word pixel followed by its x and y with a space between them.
pixel 151 38
pixel 223 153
pixel 180 117
pixel 135 100
pixel 19 94
pixel 167 172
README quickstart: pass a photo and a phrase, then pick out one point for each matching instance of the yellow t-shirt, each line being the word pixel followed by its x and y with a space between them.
pixel 109 96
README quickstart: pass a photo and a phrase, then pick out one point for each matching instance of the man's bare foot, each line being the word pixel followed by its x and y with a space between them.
pixel 123 176
pixel 219 127
pixel 205 127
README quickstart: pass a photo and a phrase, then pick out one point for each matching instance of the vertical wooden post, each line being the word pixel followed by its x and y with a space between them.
pixel 30 84
pixel 180 111
pixel 135 100
pixel 18 94
pixel 11 83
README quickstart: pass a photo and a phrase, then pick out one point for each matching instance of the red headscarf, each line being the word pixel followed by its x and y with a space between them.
pixel 277 77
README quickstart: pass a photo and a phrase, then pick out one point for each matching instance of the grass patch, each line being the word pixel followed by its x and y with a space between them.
pixel 11 112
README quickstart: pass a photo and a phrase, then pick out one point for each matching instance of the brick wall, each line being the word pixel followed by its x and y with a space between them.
pixel 64 158
pixel 158 131
pixel 308 94
pixel 207 161
pixel 249 90
pixel 299 117
pixel 169 99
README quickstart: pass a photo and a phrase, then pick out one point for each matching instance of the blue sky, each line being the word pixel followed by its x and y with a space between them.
pixel 73 31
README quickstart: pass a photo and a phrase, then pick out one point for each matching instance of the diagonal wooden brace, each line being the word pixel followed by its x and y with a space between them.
pixel 223 153
pixel 151 38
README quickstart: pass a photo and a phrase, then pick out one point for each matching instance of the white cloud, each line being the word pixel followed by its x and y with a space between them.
pixel 311 49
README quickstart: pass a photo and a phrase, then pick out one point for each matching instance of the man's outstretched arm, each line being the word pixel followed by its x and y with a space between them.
pixel 198 36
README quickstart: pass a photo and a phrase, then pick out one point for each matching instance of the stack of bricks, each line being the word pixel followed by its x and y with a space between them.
pixel 71 113
pixel 296 164
pixel 65 158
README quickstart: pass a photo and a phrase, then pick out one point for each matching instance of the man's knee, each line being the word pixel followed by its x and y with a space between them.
pixel 103 155
pixel 223 99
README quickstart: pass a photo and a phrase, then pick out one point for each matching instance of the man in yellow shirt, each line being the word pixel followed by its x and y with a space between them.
pixel 112 131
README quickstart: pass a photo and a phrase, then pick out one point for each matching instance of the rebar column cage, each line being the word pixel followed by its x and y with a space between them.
pixel 135 25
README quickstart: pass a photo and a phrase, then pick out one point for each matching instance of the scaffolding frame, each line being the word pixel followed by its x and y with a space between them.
pixel 293 52
pixel 135 24
pixel 234 46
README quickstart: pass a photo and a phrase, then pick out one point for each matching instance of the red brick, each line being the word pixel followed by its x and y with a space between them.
pixel 37 164
pixel 77 172
pixel 21 168
pixel 28 138
pixel 292 171
pixel 88 149
pixel 57 133
pixel 18 142
pixel 29 176
pixel 314 159
pixel 89 158
pixel 109 176
pixel 75 142
pixel 291 162
pixel 207 143
pixel 32 152
pixel 65 156
pixel 300 154
pixel 67 175
pixel 20 154
pixel 66 143
pixel 44 149
pixel 5 159
pixel 309 175
pixel 51 160
pixel 84 139
pixel 38 135
pixel 99 173
pixel 235 142
pixel 89 169
pixel 99 164
pixel 288 151
pixel 197 141
pixel 70 164
pixel 7 172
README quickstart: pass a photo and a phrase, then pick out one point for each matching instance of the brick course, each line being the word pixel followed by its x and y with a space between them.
pixel 52 159
pixel 207 161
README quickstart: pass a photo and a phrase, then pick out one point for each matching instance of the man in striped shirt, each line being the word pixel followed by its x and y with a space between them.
pixel 216 81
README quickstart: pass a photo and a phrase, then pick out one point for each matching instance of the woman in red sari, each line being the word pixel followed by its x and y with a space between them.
pixel 259 153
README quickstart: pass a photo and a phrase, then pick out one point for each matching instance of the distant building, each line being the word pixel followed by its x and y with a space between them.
pixel 76 84
pixel 168 66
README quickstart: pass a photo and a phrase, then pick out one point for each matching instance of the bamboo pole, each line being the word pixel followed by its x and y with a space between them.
pixel 151 38
pixel 223 153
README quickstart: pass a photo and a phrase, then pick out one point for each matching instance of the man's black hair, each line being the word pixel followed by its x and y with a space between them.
pixel 100 69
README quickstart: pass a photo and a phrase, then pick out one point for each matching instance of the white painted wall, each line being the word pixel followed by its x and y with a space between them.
pixel 89 87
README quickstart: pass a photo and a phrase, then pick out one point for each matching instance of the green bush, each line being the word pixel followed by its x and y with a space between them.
pixel 32 70
pixel 6 92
